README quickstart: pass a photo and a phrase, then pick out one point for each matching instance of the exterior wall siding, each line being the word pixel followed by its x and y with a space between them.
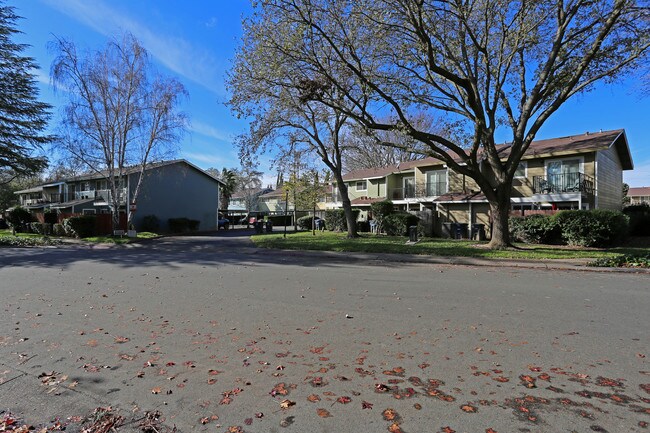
pixel 176 191
pixel 609 183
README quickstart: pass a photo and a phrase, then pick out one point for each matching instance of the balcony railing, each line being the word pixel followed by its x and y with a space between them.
pixel 431 189
pixel 332 198
pixel 402 193
pixel 562 183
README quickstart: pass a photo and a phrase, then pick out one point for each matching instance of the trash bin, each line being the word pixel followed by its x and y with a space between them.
pixel 269 226
pixel 447 230
pixel 413 233
pixel 462 231
pixel 478 232
pixel 259 227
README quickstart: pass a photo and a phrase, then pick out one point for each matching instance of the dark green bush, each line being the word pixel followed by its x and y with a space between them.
pixel 594 228
pixel 280 220
pixel 363 226
pixel 380 210
pixel 639 215
pixel 50 216
pixel 306 222
pixel 335 219
pixel 193 225
pixel 150 223
pixel 58 230
pixel 535 229
pixel 82 226
pixel 19 218
pixel 398 223
pixel 41 228
pixel 178 225
pixel 624 261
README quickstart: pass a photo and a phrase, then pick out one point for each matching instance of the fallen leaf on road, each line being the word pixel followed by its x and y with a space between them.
pixel 156 390
pixel 366 405
pixel 469 408
pixel 323 413
pixel 286 403
pixel 313 398
pixel 344 399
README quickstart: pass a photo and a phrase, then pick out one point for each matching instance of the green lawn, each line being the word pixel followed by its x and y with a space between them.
pixel 329 241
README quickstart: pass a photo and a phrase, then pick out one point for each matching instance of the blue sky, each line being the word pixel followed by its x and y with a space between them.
pixel 196 41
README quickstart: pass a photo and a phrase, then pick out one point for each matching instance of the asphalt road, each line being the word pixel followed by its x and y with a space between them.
pixel 216 334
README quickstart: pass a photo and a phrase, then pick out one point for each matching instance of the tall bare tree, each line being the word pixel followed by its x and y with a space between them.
pixel 272 88
pixel 121 115
pixel 489 65
pixel 379 148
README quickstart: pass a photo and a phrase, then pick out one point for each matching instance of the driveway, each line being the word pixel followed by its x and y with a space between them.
pixel 214 334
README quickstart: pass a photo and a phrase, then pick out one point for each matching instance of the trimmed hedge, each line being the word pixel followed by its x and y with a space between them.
pixel 639 215
pixel 280 220
pixel 335 219
pixel 398 223
pixel 306 222
pixel 82 226
pixel 180 225
pixel 535 229
pixel 593 228
pixel 150 223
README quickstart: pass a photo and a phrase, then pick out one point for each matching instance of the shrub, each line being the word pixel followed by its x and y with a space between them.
pixel 306 222
pixel 335 219
pixel 280 220
pixel 18 218
pixel 177 225
pixel 398 223
pixel 193 225
pixel 41 228
pixel 624 261
pixel 535 229
pixel 363 226
pixel 380 210
pixel 639 215
pixel 82 226
pixel 50 216
pixel 150 223
pixel 58 230
pixel 595 228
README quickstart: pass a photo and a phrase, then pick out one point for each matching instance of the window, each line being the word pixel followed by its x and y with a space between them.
pixel 436 183
pixel 88 211
pixel 362 185
pixel 521 170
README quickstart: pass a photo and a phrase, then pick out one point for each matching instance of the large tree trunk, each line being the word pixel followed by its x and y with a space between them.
pixel 347 207
pixel 500 212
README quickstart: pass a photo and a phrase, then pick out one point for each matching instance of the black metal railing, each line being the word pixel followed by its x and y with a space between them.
pixel 562 183
pixel 402 193
pixel 431 189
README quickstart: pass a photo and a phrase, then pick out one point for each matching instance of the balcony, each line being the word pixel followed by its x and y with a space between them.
pixel 402 193
pixel 563 183
pixel 431 189
pixel 102 196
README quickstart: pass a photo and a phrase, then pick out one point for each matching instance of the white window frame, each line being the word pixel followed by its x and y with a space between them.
pixel 581 165
pixel 364 185
pixel 525 164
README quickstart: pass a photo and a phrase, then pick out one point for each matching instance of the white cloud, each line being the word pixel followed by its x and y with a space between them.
pixel 211 131
pixel 194 63
pixel 201 159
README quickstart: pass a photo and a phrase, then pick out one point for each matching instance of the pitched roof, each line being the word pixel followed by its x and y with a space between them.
pixel 639 191
pixel 573 144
